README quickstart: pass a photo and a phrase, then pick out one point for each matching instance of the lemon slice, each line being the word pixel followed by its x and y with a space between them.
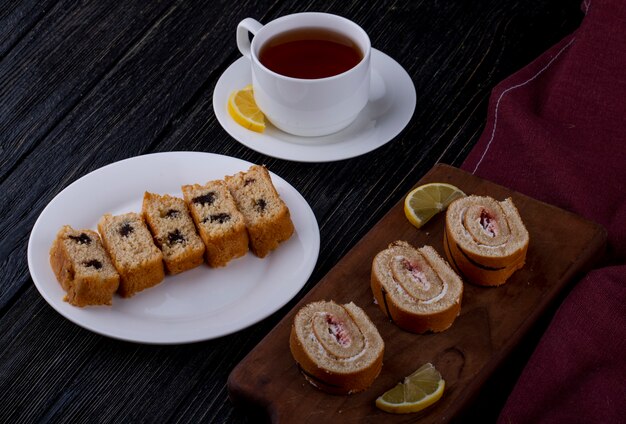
pixel 427 200
pixel 243 109
pixel 418 391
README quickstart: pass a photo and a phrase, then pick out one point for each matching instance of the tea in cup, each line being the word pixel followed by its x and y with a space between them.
pixel 310 71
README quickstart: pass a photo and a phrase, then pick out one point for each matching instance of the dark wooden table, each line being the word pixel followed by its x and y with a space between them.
pixel 84 84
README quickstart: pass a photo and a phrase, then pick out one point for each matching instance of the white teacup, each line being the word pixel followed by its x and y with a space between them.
pixel 307 107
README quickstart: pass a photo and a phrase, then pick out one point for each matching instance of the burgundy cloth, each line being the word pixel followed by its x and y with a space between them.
pixel 556 131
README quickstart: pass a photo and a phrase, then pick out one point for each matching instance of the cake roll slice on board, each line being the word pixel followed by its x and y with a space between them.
pixel 173 231
pixel 267 217
pixel 416 288
pixel 83 268
pixel 134 254
pixel 220 224
pixel 337 348
pixel 485 240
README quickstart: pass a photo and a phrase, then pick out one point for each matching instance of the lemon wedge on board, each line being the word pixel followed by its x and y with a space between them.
pixel 416 392
pixel 425 201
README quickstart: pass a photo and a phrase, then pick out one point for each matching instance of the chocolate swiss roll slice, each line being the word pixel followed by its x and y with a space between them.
pixel 416 288
pixel 337 347
pixel 485 240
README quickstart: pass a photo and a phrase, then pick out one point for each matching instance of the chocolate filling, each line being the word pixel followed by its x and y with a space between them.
pixel 205 199
pixel 126 229
pixel 93 263
pixel 470 260
pixel 175 237
pixel 81 239
pixel 220 218
pixel 384 293
pixel 449 252
pixel 172 213
pixel 260 205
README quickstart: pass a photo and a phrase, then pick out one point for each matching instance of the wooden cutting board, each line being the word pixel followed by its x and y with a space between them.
pixel 492 320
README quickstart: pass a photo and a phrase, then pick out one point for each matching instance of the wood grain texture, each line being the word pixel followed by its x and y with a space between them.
pixel 491 323
pixel 17 18
pixel 72 39
pixel 137 77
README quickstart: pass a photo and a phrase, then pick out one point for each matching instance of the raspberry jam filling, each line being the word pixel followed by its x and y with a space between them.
pixel 418 276
pixel 338 331
pixel 488 223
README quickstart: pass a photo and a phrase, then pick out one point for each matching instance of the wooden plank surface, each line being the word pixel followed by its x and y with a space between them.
pixel 17 19
pixel 88 83
pixel 492 320
pixel 33 85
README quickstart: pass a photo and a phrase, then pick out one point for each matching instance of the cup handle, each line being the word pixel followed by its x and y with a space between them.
pixel 244 27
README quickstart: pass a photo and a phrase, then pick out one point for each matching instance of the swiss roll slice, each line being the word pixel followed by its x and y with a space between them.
pixel 337 348
pixel 416 288
pixel 485 240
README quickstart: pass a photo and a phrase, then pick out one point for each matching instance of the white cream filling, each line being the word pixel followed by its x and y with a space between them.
pixel 440 296
pixel 471 239
pixel 418 277
pixel 423 283
pixel 400 290
pixel 323 353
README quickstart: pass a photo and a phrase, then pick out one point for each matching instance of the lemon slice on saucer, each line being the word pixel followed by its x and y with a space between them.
pixel 243 109
pixel 427 200
pixel 418 391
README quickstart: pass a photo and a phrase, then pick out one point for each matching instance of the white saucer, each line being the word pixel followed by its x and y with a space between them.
pixel 390 108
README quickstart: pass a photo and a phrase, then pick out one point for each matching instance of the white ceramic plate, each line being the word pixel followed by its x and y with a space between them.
pixel 199 304
pixel 390 108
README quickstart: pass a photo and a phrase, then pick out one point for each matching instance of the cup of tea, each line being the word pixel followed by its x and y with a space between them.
pixel 310 71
